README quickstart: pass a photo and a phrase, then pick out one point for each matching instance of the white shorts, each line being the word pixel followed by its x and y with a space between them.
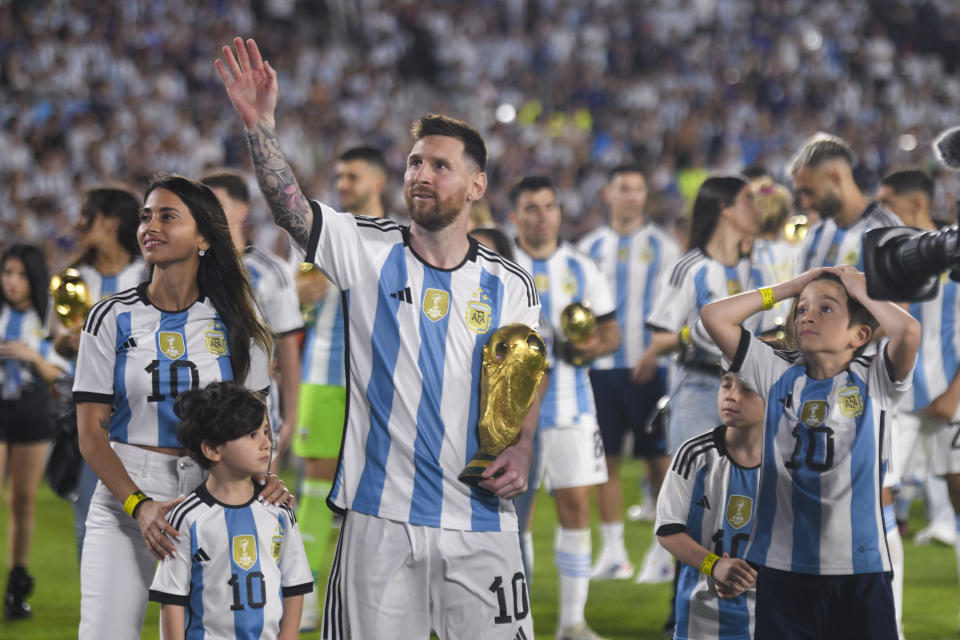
pixel 943 446
pixel 398 580
pixel 917 438
pixel 572 456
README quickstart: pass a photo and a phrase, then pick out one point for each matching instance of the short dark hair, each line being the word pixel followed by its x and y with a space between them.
pixel 858 313
pixel 113 202
pixel 630 167
pixel 755 171
pixel 371 155
pixel 909 181
pixel 530 183
pixel 230 181
pixel 501 243
pixel 819 148
pixel 216 414
pixel 434 124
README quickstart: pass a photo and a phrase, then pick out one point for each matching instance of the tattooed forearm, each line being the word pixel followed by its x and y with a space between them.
pixel 291 210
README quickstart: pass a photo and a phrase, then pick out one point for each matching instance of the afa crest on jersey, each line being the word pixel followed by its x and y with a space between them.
pixel 215 340
pixel 244 551
pixel 850 401
pixel 813 412
pixel 733 287
pixel 739 511
pixel 276 542
pixel 570 284
pixel 542 283
pixel 172 344
pixel 479 313
pixel 436 304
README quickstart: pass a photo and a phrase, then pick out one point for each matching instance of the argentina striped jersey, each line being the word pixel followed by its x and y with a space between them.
pixel 775 261
pixel 633 265
pixel 565 277
pixel 274 290
pixel 827 245
pixel 324 345
pixel 712 499
pixel 415 335
pixel 232 568
pixel 26 327
pixel 137 358
pixel 101 286
pixel 818 505
pixel 939 356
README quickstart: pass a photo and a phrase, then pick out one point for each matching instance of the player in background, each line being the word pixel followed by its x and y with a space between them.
pixel 239 570
pixel 422 302
pixel 361 174
pixel 823 180
pixel 277 298
pixel 633 253
pixel 819 538
pixel 571 459
pixel 28 366
pixel 192 323
pixel 109 262
pixel 705 514
pixel 928 417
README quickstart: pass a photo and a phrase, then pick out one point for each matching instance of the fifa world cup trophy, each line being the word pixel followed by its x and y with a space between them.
pixel 578 324
pixel 71 297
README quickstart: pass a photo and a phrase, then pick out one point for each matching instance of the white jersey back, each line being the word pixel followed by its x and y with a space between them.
pixel 827 245
pixel 775 261
pixel 566 277
pixel 26 327
pixel 633 265
pixel 416 334
pixel 939 355
pixel 712 499
pixel 324 345
pixel 688 285
pixel 818 508
pixel 137 358
pixel 101 286
pixel 233 567
pixel 274 290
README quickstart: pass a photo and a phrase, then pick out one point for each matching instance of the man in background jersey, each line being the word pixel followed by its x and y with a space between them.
pixel 823 180
pixel 418 550
pixel 571 453
pixel 360 180
pixel 632 253
pixel 276 296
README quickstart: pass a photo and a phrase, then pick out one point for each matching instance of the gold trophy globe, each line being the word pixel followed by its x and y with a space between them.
pixel 71 297
pixel 578 323
pixel 513 362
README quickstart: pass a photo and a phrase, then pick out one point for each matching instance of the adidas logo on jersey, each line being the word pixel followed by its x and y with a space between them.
pixel 129 344
pixel 403 295
pixel 703 502
pixel 201 555
pixel 520 635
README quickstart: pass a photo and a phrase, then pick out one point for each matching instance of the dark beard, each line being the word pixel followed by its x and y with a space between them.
pixel 439 217
pixel 829 206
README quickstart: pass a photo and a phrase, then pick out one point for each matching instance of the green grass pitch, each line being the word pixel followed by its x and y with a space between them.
pixel 616 610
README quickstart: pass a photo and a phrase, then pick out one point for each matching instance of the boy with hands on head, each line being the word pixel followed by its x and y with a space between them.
pixel 819 541
pixel 240 570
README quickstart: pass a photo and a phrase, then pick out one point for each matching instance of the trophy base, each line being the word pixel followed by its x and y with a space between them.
pixel 471 474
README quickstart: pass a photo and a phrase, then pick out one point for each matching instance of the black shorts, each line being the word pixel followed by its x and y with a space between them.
pixel 27 419
pixel 623 405
pixel 797 606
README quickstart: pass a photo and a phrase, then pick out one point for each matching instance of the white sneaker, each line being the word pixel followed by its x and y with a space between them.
pixel 941 531
pixel 579 631
pixel 658 566
pixel 610 568
pixel 645 512
pixel 310 617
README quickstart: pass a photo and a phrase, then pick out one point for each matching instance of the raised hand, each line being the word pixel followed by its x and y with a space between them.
pixel 251 83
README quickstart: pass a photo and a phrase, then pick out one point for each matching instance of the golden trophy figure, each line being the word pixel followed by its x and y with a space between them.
pixel 71 297
pixel 578 324
pixel 514 360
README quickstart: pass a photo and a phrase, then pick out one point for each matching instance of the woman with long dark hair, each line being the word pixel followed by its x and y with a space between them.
pixel 194 321
pixel 28 365
pixel 715 266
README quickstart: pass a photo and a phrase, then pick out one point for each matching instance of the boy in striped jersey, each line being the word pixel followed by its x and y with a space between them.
pixel 819 537
pixel 705 514
pixel 418 550
pixel 239 571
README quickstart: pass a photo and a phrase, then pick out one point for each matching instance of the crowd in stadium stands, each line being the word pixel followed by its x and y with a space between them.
pixel 93 92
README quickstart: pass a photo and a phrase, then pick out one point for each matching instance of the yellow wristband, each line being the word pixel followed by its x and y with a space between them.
pixel 684 335
pixel 706 567
pixel 768 300
pixel 133 500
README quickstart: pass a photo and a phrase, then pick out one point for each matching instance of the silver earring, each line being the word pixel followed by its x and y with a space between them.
pixel 202 253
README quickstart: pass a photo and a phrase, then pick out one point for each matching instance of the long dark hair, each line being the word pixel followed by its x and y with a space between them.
pixel 112 202
pixel 221 275
pixel 715 195
pixel 36 266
